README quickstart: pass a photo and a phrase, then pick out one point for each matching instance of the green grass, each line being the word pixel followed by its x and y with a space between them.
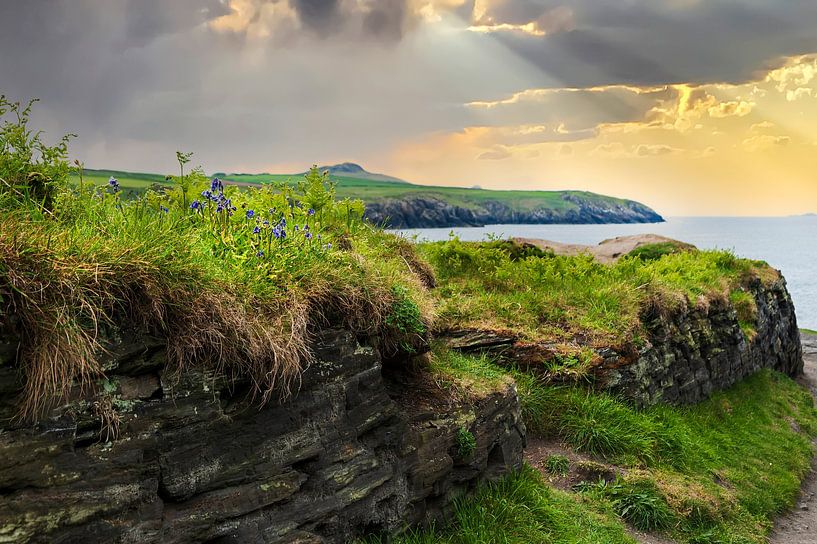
pixel 372 190
pixel 558 298
pixel 522 509
pixel 225 295
pixel 719 471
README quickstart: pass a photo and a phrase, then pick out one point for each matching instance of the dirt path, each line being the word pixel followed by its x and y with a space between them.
pixel 800 525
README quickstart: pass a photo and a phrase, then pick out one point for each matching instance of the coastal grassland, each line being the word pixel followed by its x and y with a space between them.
pixel 523 509
pixel 370 190
pixel 716 472
pixel 234 279
pixel 547 297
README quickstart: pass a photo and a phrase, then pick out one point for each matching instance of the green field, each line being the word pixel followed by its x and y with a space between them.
pixel 370 190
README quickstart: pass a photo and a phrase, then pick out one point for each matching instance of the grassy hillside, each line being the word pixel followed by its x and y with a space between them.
pixel 370 190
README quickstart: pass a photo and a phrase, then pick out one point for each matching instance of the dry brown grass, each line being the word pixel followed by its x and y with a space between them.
pixel 57 302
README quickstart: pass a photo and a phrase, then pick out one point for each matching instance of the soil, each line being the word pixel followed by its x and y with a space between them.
pixel 800 525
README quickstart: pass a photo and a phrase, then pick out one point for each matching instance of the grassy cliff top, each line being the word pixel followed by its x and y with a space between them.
pixel 543 297
pixel 370 190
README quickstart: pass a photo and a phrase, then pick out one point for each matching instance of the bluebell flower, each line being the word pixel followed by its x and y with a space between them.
pixel 308 235
pixel 113 185
pixel 295 228
pixel 195 205
pixel 310 211
pixel 260 253
pixel 206 194
pixel 250 213
pixel 329 245
pixel 319 237
pixel 216 185
pixel 283 221
pixel 306 226
pixel 163 209
pixel 265 223
pixel 256 230
pixel 272 211
pixel 276 232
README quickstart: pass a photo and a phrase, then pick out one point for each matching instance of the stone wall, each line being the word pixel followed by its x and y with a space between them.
pixel 194 460
pixel 695 351
pixel 687 354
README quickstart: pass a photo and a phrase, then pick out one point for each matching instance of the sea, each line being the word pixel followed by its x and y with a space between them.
pixel 787 243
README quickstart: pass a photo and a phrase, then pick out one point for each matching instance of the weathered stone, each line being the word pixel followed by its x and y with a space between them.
pixel 195 460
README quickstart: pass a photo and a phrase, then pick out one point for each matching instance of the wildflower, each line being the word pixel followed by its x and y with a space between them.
pixel 216 185
pixel 295 228
pixel 272 211
pixel 276 232
pixel 265 223
pixel 250 213
pixel 163 209
pixel 283 222
pixel 329 245
pixel 206 194
pixel 319 237
pixel 113 185
pixel 260 253
pixel 310 211
pixel 256 230
pixel 306 226
pixel 195 205
pixel 308 235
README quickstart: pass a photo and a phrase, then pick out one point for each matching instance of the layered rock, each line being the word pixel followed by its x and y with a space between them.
pixel 193 458
pixel 688 353
pixel 431 212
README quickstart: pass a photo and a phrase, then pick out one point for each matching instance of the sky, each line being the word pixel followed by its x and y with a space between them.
pixel 694 107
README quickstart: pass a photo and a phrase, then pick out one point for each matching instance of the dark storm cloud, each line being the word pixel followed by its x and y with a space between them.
pixel 665 41
pixel 306 80
pixel 320 15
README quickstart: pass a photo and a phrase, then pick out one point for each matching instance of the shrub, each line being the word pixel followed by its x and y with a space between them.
pixel 653 252
pixel 466 443
pixel 31 172
pixel 557 464
pixel 640 503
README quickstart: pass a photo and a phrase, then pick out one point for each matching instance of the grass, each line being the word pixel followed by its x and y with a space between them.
pixel 719 471
pixel 371 190
pixel 235 279
pixel 522 509
pixel 550 298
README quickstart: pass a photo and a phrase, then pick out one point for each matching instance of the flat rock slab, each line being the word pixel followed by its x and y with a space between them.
pixel 608 251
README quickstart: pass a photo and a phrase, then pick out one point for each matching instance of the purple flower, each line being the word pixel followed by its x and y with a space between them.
pixel 206 194
pixel 250 213
pixel 276 232
pixel 195 205
pixel 163 209
pixel 113 185
pixel 256 230
pixel 265 223
pixel 216 185
pixel 295 228
pixel 306 227
pixel 272 211
pixel 260 253
pixel 308 235
pixel 329 245
pixel 283 221
pixel 310 211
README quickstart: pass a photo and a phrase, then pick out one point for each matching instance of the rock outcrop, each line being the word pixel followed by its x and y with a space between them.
pixel 152 457
pixel 688 353
pixel 693 352
pixel 433 212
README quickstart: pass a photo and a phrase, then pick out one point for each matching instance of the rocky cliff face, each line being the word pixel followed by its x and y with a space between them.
pixel 688 353
pixel 156 458
pixel 430 212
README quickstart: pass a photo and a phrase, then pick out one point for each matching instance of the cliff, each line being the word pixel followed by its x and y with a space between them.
pixel 689 351
pixel 437 212
pixel 155 457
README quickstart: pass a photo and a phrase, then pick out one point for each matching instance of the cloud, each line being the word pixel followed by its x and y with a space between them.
pixel 765 141
pixel 497 153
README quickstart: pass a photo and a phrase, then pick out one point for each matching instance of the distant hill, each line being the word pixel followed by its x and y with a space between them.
pixel 398 204
pixel 352 170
